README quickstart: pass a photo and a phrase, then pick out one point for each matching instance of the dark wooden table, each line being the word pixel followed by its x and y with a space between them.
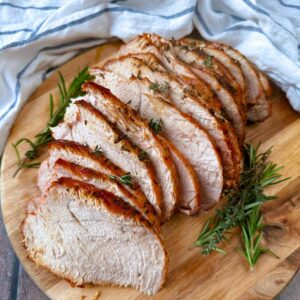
pixel 16 284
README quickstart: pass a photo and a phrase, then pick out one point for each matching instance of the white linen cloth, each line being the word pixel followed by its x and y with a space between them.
pixel 38 36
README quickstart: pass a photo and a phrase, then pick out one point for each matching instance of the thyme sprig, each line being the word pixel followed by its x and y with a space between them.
pixel 126 179
pixel 243 208
pixel 55 116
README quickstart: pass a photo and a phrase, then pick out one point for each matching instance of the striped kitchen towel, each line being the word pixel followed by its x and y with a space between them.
pixel 38 36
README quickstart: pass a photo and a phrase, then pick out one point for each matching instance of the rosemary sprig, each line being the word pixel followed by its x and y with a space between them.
pixel 125 179
pixel 252 233
pixel 44 137
pixel 155 125
pixel 243 208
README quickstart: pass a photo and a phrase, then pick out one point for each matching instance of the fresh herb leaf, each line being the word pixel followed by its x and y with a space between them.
pixel 125 179
pixel 98 151
pixel 243 207
pixel 154 86
pixel 155 125
pixel 56 115
pixel 208 61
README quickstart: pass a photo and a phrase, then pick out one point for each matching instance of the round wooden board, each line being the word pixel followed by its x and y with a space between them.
pixel 190 276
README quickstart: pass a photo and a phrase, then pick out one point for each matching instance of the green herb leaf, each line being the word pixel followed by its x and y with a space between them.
pixel 125 179
pixel 98 151
pixel 208 61
pixel 155 125
pixel 154 86
pixel 243 208
pixel 56 115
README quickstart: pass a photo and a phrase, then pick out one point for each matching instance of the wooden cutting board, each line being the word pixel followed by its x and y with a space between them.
pixel 190 276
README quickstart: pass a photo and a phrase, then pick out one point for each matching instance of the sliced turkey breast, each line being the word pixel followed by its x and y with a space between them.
pixel 211 71
pixel 265 83
pixel 143 44
pixel 88 235
pixel 80 155
pixel 207 63
pixel 86 125
pixel 228 93
pixel 95 160
pixel 139 132
pixel 259 111
pixel 215 125
pixel 165 53
pixel 190 92
pixel 83 156
pixel 228 62
pixel 182 130
pixel 255 91
pixel 263 108
pixel 110 183
pixel 191 86
pixel 189 203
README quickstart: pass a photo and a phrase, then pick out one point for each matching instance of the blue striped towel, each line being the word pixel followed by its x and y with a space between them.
pixel 38 36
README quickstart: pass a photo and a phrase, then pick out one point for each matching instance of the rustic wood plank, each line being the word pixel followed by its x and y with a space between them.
pixel 292 291
pixel 191 276
pixel 27 289
pixel 274 281
pixel 9 266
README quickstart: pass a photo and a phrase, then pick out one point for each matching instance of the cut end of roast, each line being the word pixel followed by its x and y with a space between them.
pixel 87 235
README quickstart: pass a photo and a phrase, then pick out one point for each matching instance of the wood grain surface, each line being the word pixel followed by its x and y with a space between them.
pixel 190 276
